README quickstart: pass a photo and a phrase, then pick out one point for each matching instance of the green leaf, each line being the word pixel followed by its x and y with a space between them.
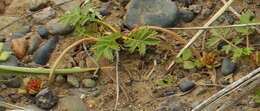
pixel 1 46
pixel 212 41
pixel 160 82
pixel 140 39
pixel 4 55
pixel 226 48
pixel 237 40
pixel 220 32
pixel 188 64
pixel 237 53
pixel 257 92
pixel 187 53
pixel 106 46
pixel 245 18
pixel 179 59
pixel 248 51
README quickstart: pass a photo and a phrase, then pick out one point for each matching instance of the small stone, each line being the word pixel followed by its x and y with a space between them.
pixel 168 92
pixel 71 103
pixel 37 4
pixel 34 43
pixel 46 98
pixel 162 13
pixel 227 67
pixel 13 82
pixel 230 19
pixel 11 61
pixel 187 16
pixel 20 46
pixel 180 75
pixel 43 32
pixel 2 39
pixel 89 83
pixel 253 104
pixel 69 5
pixel 221 44
pixel 44 15
pixel 104 12
pixel 196 8
pixel 225 82
pixel 73 80
pixel 42 55
pixel 14 97
pixel 186 86
pixel 221 19
pixel 60 79
pixel 96 93
pixel 206 12
pixel 56 27
pixel 186 2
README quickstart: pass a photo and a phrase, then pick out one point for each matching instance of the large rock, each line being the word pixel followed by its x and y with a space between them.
pixel 44 15
pixel 12 28
pixel 46 98
pixel 71 103
pixel 163 13
pixel 68 6
pixel 56 27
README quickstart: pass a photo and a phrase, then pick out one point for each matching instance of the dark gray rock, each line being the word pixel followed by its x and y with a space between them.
pixel 43 32
pixel 56 27
pixel 37 4
pixel 17 35
pixel 59 80
pixel 187 16
pixel 34 43
pixel 221 44
pixel 11 61
pixel 71 103
pixel 73 80
pixel 104 12
pixel 163 13
pixel 13 82
pixel 46 98
pixel 221 19
pixel 186 86
pixel 229 18
pixel 104 0
pixel 42 55
pixel 227 67
pixel 89 83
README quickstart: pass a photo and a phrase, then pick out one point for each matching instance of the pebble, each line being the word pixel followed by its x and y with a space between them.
pixel 73 80
pixel 168 92
pixel 58 28
pixel 186 86
pixel 11 61
pixel 43 32
pixel 46 98
pixel 69 6
pixel 227 67
pixel 44 15
pixel 59 80
pixel 104 12
pixel 253 104
pixel 71 103
pixel 34 42
pixel 221 44
pixel 89 83
pixel 196 8
pixel 162 13
pixel 225 82
pixel 37 4
pixel 230 19
pixel 206 12
pixel 171 104
pixel 42 55
pixel 96 93
pixel 187 16
pixel 15 97
pixel 221 19
pixel 13 82
pixel 2 39
pixel 20 46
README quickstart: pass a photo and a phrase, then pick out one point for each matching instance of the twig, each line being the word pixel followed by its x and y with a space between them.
pixel 92 59
pixel 238 15
pixel 214 27
pixel 63 53
pixel 30 14
pixel 226 90
pixel 196 36
pixel 151 72
pixel 117 80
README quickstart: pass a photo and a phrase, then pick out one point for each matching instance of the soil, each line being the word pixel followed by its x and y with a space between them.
pixel 137 92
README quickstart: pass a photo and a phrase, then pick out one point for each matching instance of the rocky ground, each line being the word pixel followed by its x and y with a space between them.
pixel 38 40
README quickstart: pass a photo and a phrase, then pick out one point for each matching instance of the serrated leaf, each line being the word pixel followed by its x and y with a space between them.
pixel 188 65
pixel 4 55
pixel 257 92
pixel 140 39
pixel 237 53
pixel 248 51
pixel 237 40
pixel 187 53
pixel 179 59
pixel 160 82
pixel 1 46
pixel 212 41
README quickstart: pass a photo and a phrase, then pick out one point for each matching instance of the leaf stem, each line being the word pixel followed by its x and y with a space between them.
pixel 228 42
